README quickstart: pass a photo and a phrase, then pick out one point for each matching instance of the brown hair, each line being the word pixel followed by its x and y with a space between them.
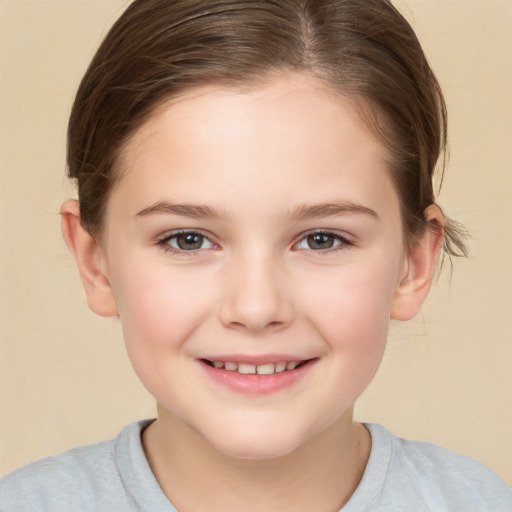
pixel 363 48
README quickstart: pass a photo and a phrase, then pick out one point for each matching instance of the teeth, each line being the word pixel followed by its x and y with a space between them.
pixel 265 369
pixel 246 368
pixel 280 367
pixel 262 369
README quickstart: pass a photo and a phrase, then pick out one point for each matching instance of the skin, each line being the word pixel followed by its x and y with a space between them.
pixel 255 286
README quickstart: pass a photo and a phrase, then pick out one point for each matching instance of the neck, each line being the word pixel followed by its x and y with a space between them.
pixel 320 475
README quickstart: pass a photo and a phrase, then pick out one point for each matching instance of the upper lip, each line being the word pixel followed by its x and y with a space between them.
pixel 256 359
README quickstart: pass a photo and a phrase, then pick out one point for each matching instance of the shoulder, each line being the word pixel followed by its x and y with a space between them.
pixel 79 479
pixel 56 482
pixel 442 479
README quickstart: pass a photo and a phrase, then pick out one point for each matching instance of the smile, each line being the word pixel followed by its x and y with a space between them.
pixel 257 375
pixel 261 369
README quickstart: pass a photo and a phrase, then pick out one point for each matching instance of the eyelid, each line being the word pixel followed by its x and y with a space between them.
pixel 346 241
pixel 163 240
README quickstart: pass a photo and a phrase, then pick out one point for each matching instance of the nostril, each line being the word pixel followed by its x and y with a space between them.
pixel 238 325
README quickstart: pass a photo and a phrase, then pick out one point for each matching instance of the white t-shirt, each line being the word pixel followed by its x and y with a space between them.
pixel 114 476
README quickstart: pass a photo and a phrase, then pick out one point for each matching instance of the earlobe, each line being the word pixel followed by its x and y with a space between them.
pixel 90 259
pixel 419 268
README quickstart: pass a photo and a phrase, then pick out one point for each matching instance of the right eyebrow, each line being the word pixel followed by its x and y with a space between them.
pixel 183 210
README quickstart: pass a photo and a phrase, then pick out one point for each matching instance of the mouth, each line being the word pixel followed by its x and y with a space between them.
pixel 257 369
pixel 260 375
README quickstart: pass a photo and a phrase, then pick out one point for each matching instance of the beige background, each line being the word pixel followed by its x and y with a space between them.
pixel 64 376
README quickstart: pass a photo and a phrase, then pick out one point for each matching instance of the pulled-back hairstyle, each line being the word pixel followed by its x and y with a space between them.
pixel 364 49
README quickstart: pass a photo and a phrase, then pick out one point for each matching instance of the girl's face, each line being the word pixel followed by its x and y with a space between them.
pixel 250 231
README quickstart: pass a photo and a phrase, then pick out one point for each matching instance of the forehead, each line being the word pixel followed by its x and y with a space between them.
pixel 289 136
pixel 278 97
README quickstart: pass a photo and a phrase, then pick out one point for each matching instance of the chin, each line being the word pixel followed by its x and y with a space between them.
pixel 256 449
pixel 257 442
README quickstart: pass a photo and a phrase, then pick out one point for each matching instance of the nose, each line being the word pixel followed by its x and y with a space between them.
pixel 256 296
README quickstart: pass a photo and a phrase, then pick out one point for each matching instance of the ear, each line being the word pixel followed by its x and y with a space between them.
pixel 90 259
pixel 419 268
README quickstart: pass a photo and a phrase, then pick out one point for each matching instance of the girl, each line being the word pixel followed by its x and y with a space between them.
pixel 255 204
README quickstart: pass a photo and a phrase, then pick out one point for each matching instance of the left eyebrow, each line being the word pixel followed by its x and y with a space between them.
pixel 306 211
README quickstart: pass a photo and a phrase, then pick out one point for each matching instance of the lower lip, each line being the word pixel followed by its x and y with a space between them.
pixel 254 383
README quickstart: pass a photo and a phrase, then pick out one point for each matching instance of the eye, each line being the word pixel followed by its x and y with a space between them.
pixel 323 241
pixel 186 241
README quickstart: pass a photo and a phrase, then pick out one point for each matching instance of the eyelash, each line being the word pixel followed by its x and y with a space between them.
pixel 343 242
pixel 164 241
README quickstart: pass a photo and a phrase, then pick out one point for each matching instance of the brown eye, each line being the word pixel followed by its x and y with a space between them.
pixel 187 241
pixel 319 241
pixel 323 241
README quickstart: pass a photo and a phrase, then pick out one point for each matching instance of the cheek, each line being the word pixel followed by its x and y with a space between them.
pixel 351 306
pixel 353 320
pixel 159 309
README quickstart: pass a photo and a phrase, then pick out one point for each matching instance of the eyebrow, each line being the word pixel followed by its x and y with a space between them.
pixel 306 211
pixel 300 212
pixel 184 210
